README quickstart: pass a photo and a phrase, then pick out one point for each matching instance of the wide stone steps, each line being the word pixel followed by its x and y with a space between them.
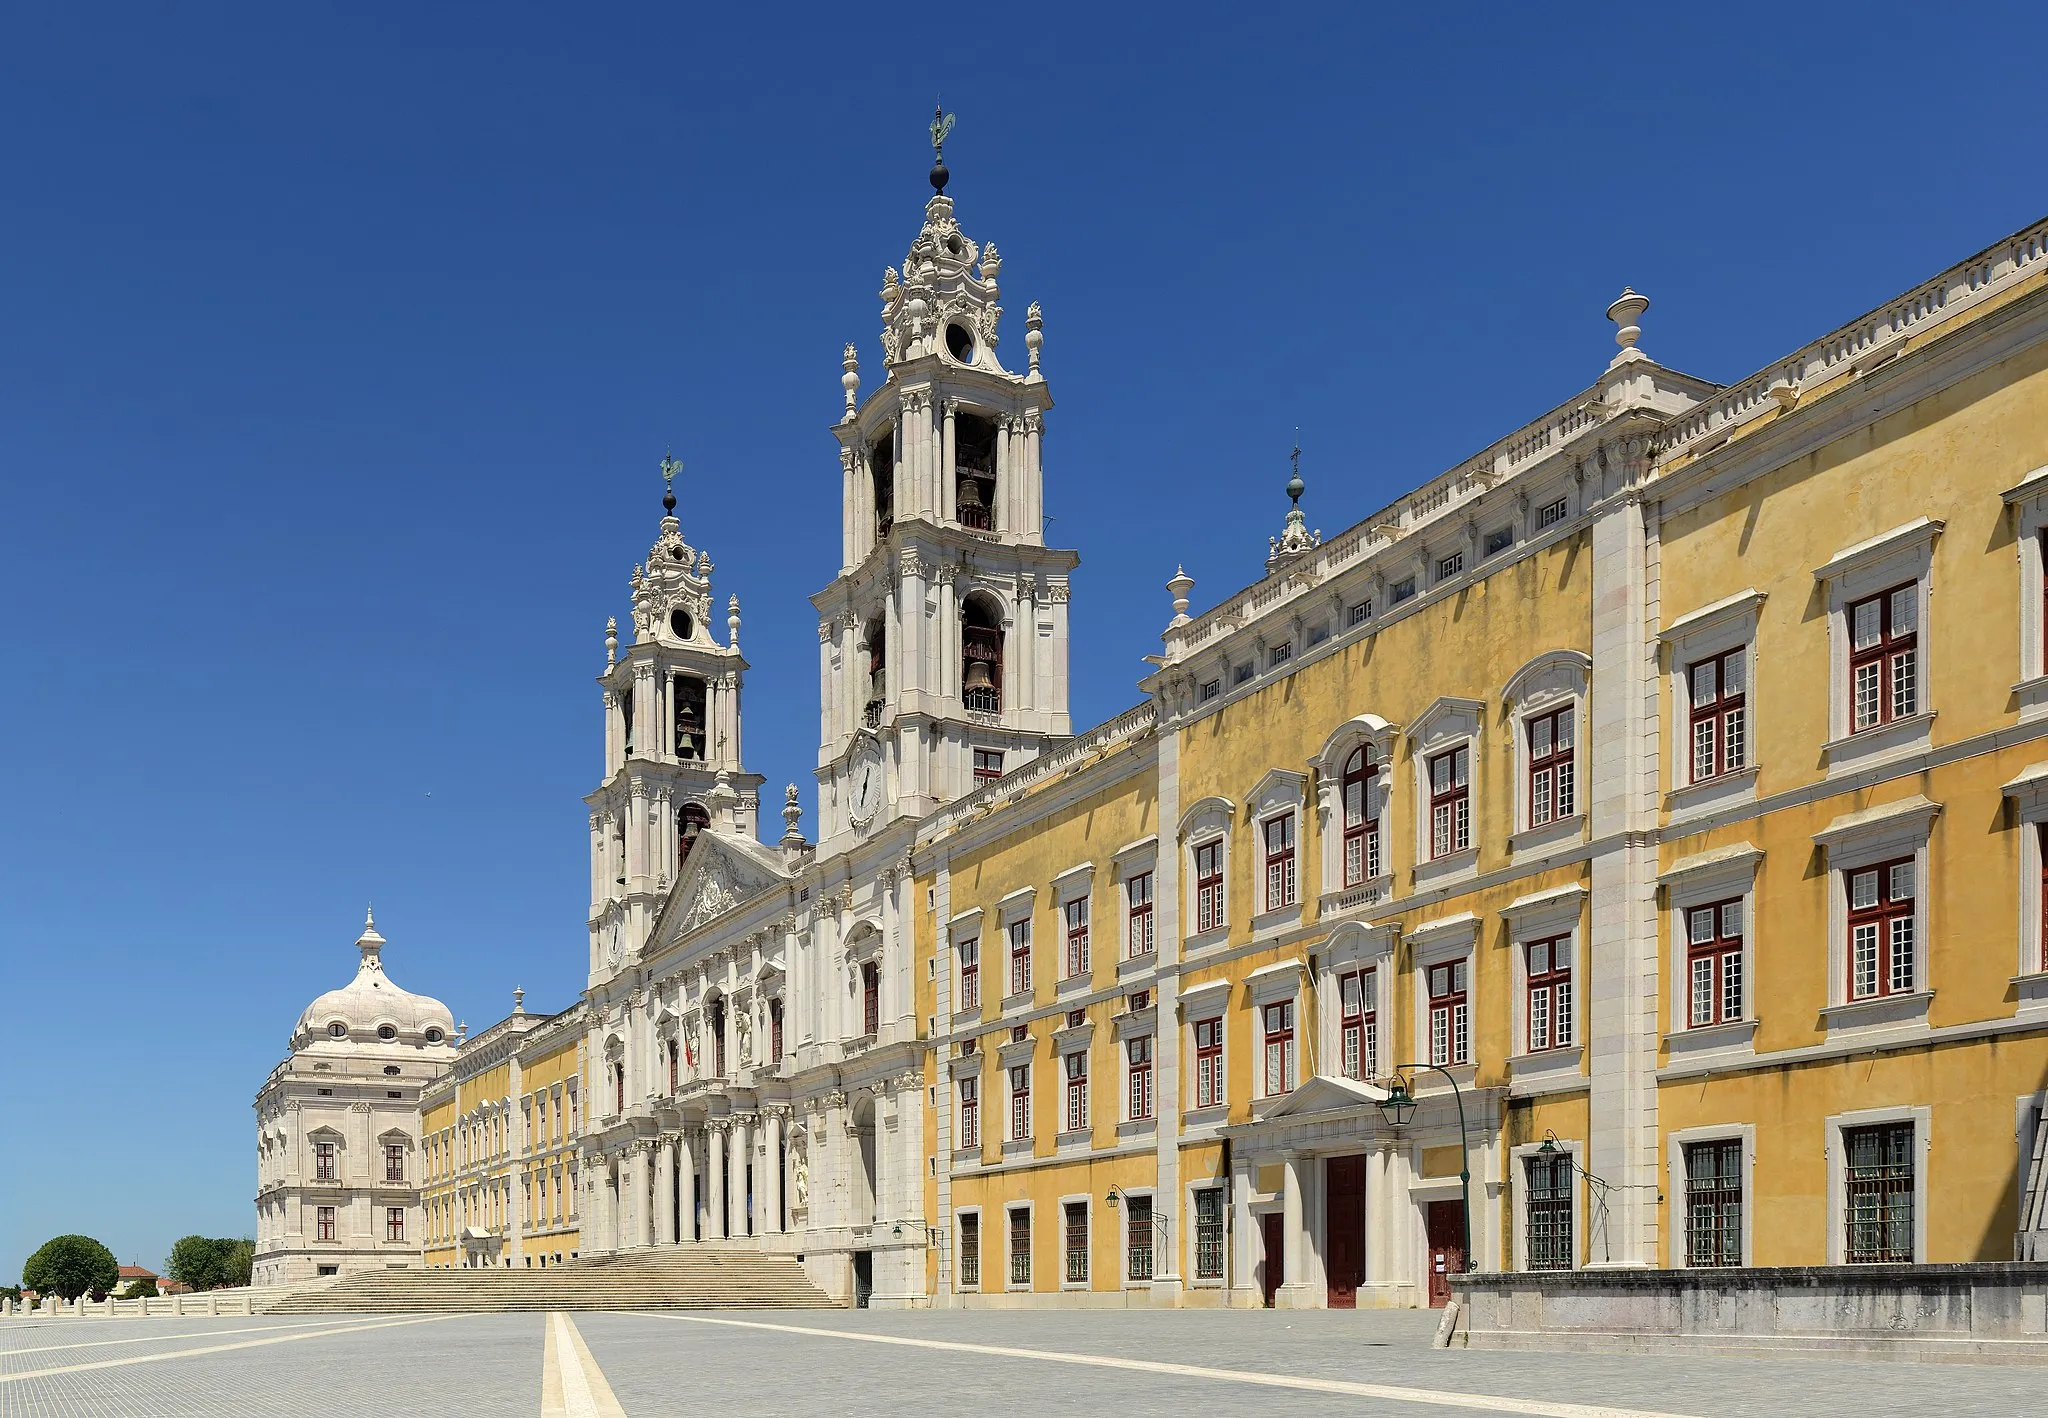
pixel 672 1278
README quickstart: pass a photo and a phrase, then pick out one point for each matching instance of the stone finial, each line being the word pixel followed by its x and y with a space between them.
pixel 370 943
pixel 1295 539
pixel 732 622
pixel 1627 313
pixel 850 381
pixel 1034 335
pixel 461 1033
pixel 1180 585
pixel 792 817
pixel 518 1000
pixel 611 641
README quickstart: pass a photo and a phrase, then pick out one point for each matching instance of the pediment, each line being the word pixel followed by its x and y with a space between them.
pixel 1322 1093
pixel 721 875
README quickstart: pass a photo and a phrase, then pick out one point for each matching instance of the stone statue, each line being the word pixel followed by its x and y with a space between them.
pixel 743 1042
pixel 800 1177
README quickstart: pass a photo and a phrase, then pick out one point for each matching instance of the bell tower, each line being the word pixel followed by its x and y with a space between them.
pixel 942 642
pixel 672 767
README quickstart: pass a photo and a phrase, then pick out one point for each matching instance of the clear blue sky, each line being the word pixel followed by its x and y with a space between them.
pixel 338 349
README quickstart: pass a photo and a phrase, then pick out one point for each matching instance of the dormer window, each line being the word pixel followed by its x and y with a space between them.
pixel 974 471
pixel 435 1036
pixel 386 1032
pixel 337 1030
pixel 882 467
pixel 981 656
pixel 688 692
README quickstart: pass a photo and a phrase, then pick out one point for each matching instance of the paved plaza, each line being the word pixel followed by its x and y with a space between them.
pixel 739 1364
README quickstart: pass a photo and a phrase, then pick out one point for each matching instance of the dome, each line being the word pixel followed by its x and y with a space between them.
pixel 372 1004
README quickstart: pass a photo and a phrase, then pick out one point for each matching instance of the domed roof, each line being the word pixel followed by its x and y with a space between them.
pixel 373 1000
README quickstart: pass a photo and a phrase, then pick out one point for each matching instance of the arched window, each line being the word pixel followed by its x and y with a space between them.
pixel 974 471
pixel 1361 830
pixel 882 467
pixel 689 701
pixel 691 820
pixel 981 655
pixel 878 673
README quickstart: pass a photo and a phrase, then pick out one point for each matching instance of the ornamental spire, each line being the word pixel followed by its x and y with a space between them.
pixel 1295 539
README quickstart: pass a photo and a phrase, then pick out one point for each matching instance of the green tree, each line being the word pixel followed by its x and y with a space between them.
pixel 142 1289
pixel 71 1266
pixel 209 1263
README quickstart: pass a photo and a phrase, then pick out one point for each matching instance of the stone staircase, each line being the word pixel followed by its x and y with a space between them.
pixel 669 1278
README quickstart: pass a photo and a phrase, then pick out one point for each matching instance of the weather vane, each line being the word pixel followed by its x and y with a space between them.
pixel 669 468
pixel 942 124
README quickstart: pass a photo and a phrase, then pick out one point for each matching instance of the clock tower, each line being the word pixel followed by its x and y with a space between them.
pixel 942 643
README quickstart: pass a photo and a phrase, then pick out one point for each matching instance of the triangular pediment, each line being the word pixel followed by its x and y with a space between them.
pixel 722 874
pixel 1321 1094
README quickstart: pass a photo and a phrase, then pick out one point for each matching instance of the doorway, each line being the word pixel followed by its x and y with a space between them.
pixel 1273 1272
pixel 1446 1221
pixel 863 1278
pixel 1344 1179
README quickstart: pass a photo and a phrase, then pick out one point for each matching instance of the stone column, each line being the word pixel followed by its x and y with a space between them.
pixel 1291 1219
pixel 686 1187
pixel 714 1180
pixel 643 1195
pixel 665 1191
pixel 1244 1286
pixel 771 1193
pixel 736 1167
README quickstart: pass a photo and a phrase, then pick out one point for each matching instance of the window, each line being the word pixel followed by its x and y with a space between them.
pixel 1138 1052
pixel 386 1032
pixel 970 1112
pixel 394 1161
pixel 1449 566
pixel 870 997
pixel 1359 1023
pixel 1720 715
pixel 970 973
pixel 323 1161
pixel 1279 1021
pixel 1884 658
pixel 1450 802
pixel 1077 1091
pixel 1318 635
pixel 1550 514
pixel 1713 1203
pixel 1077 937
pixel 394 1223
pixel 1713 947
pixel 2041 840
pixel 1361 831
pixel 717 1018
pixel 1881 945
pixel 1878 1206
pixel 981 656
pixel 1138 1237
pixel 1550 1211
pixel 1450 1024
pixel 1020 956
pixel 1209 886
pixel 1281 653
pixel 1208 1062
pixel 337 1030
pixel 1138 901
pixel 1209 1233
pixel 1242 674
pixel 988 765
pixel 1210 689
pixel 1280 880
pixel 1401 590
pixel 1020 1102
pixel 1549 1020
pixel 970 1248
pixel 1020 1247
pixel 1498 540
pixel 1359 614
pixel 1077 1242
pixel 1551 786
pixel 670 1051
pixel 774 1032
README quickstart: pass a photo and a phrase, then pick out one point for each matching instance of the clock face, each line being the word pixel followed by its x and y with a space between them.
pixel 867 785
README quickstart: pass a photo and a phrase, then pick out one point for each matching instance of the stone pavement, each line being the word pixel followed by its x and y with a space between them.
pixel 740 1364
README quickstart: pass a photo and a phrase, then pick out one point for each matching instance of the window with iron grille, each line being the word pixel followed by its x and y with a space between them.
pixel 1450 1022
pixel 1713 1203
pixel 1882 951
pixel 1138 901
pixel 969 952
pixel 1884 669
pixel 1450 802
pixel 394 1161
pixel 1020 1247
pixel 1361 831
pixel 1077 1091
pixel 988 765
pixel 1209 1233
pixel 870 997
pixel 1552 792
pixel 1549 971
pixel 1020 1102
pixel 1077 1242
pixel 970 1112
pixel 1138 1055
pixel 323 1221
pixel 1279 1021
pixel 394 1223
pixel 1077 937
pixel 970 1248
pixel 1020 956
pixel 1138 1237
pixel 1550 514
pixel 1548 1224
pixel 1208 1062
pixel 1209 885
pixel 1720 714
pixel 1359 1023
pixel 1878 1208
pixel 1713 963
pixel 323 1161
pixel 1279 833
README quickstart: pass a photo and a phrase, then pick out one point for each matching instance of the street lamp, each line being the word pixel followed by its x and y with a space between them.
pixel 1399 1106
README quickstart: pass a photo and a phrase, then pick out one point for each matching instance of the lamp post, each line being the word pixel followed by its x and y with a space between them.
pixel 1399 1106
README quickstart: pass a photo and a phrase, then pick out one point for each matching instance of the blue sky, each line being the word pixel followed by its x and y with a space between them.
pixel 338 348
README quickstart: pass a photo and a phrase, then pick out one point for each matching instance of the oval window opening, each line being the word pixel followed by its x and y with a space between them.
pixel 960 343
pixel 433 1036
pixel 386 1032
pixel 679 621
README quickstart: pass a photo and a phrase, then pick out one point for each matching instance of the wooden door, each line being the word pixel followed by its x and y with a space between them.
pixel 1446 1249
pixel 1344 1227
pixel 1273 1272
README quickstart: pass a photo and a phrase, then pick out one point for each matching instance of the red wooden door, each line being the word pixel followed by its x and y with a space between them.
pixel 1446 1249
pixel 1273 1273
pixel 1344 1224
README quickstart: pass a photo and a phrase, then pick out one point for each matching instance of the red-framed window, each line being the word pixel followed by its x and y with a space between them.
pixel 1077 1242
pixel 1279 834
pixel 323 1161
pixel 394 1223
pixel 671 1050
pixel 1720 714
pixel 1209 885
pixel 1450 802
pixel 1713 963
pixel 1884 658
pixel 1450 1018
pixel 1882 951
pixel 870 997
pixel 1361 830
pixel 323 1222
pixel 988 765
pixel 774 1037
pixel 970 1112
pixel 1020 956
pixel 1020 1246
pixel 1077 1091
pixel 1138 1055
pixel 1020 1102
pixel 1209 1089
pixel 1279 1030
pixel 394 1161
pixel 970 1248
pixel 1358 1023
pixel 1548 968
pixel 717 1050
pixel 1552 789
pixel 1076 912
pixel 1138 903
pixel 970 973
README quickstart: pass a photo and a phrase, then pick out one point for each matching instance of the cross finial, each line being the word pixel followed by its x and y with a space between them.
pixel 1295 486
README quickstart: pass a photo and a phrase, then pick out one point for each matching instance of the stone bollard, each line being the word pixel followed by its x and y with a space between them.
pixel 177 1304
pixel 212 1303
